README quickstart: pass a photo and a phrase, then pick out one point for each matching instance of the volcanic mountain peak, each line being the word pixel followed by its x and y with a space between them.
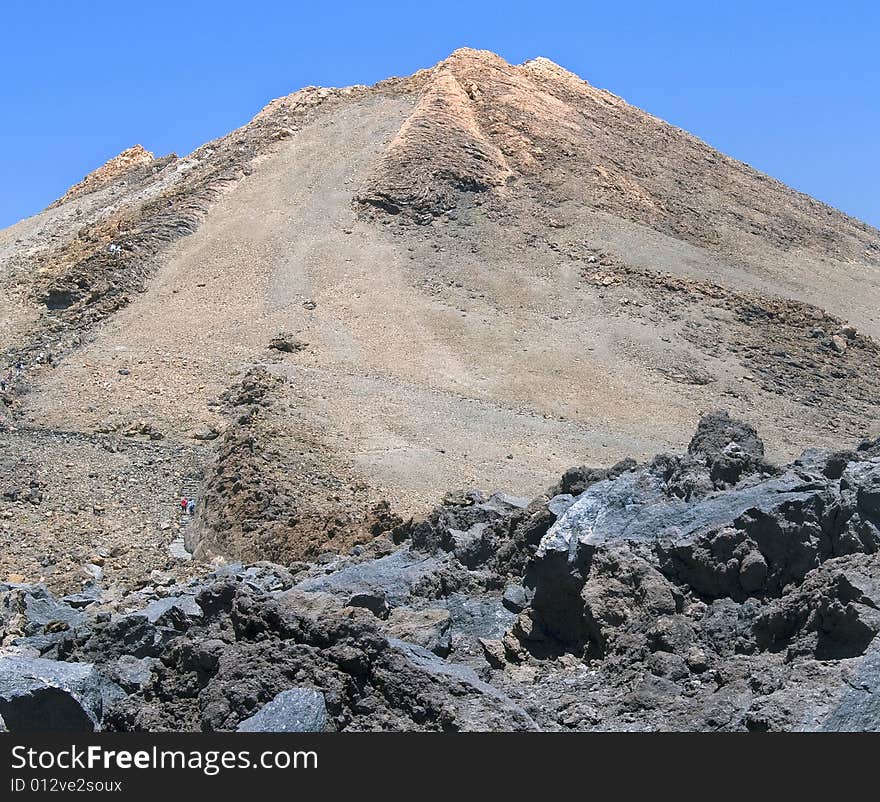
pixel 574 146
pixel 551 263
pixel 127 160
pixel 316 327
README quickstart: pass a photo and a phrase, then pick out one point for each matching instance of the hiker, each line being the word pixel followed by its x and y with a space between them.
pixel 191 506
pixel 184 503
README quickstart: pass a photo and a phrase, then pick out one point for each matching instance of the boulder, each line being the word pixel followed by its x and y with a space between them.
pixel 464 525
pixel 36 609
pixel 717 431
pixel 857 709
pixel 89 595
pixel 374 601
pixel 295 710
pixel 833 614
pixel 266 577
pixel 516 598
pixel 174 612
pixel 131 673
pixel 494 652
pixel 636 510
pixel 129 634
pixel 393 576
pixel 481 617
pixel 38 694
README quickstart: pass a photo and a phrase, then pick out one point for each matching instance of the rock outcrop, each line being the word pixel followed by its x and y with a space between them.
pixel 439 153
pixel 709 590
pixel 130 159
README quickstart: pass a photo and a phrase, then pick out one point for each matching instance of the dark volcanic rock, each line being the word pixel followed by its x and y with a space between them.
pixel 858 707
pixel 730 448
pixel 131 673
pixel 636 511
pixel 296 710
pixel 251 647
pixel 465 526
pixel 703 591
pixel 31 609
pixel 834 613
pixel 38 694
pixel 470 697
pixel 130 634
pixel 392 578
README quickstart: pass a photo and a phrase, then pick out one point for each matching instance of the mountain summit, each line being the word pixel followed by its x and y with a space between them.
pixel 481 123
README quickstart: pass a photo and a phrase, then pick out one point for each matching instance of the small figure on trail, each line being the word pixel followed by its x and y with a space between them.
pixel 184 503
pixel 191 506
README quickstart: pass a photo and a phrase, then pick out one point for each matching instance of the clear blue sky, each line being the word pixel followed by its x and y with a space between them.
pixel 792 88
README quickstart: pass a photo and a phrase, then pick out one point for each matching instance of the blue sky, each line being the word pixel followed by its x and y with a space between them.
pixel 792 88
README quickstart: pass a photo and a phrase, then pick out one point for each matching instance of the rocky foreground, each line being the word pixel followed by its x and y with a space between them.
pixel 705 591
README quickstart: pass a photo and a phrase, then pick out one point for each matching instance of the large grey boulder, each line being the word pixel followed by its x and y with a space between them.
pixel 143 633
pixel 31 617
pixel 728 448
pixel 392 577
pixel 175 612
pixel 295 710
pixel 39 694
pixel 637 507
pixel 127 634
pixel 752 539
pixel 637 512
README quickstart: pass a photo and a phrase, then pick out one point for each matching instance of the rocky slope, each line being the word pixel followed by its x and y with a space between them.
pixel 324 324
pixel 710 590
